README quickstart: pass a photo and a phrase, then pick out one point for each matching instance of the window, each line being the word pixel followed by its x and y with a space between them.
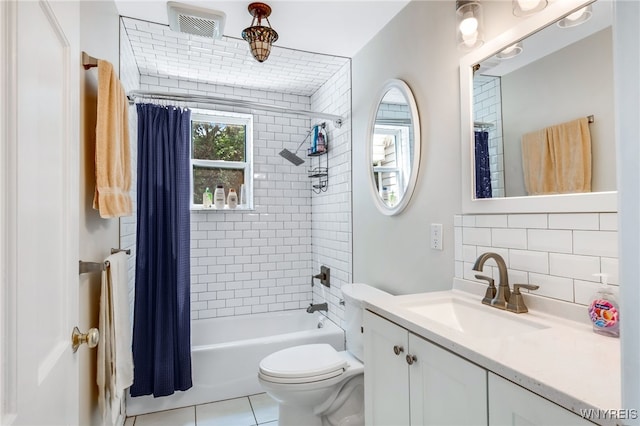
pixel 391 162
pixel 221 153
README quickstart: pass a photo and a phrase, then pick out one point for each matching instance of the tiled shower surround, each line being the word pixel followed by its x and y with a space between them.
pixel 558 252
pixel 245 262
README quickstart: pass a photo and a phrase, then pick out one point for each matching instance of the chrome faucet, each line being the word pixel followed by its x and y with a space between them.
pixel 317 307
pixel 503 292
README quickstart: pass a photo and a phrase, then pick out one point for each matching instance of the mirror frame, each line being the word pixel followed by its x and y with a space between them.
pixel 415 163
pixel 579 202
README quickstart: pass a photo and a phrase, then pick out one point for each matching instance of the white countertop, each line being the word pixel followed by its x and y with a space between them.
pixel 566 362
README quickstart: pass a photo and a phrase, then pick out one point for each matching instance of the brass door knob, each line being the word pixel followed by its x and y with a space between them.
pixel 411 359
pixel 398 349
pixel 91 338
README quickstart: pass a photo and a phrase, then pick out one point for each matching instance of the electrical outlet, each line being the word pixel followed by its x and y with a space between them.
pixel 436 236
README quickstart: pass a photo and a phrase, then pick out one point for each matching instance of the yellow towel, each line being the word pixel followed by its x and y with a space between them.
pixel 570 145
pixel 557 159
pixel 537 164
pixel 113 156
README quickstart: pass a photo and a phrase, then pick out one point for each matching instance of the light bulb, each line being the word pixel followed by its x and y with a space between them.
pixel 470 39
pixel 526 5
pixel 469 24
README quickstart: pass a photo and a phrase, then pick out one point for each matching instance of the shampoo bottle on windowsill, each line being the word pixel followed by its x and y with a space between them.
pixel 218 197
pixel 604 311
pixel 232 199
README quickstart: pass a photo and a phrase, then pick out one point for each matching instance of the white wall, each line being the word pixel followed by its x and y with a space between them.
pixel 392 253
pixel 99 38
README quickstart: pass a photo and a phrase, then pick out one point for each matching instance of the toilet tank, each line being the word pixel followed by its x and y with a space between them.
pixel 354 296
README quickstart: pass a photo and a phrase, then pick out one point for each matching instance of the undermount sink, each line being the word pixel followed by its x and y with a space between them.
pixel 472 319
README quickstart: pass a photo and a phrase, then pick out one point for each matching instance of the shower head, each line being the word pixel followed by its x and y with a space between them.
pixel 292 157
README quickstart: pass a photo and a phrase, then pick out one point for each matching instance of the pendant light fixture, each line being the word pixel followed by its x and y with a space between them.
pixel 527 7
pixel 470 27
pixel 259 37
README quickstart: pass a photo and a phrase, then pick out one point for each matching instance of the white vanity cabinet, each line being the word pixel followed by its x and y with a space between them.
pixel 511 404
pixel 410 381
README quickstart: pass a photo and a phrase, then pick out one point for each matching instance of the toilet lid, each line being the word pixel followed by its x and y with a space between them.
pixel 317 361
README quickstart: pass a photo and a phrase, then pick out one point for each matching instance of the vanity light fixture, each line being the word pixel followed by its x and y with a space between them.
pixel 470 27
pixel 527 7
pixel 259 37
pixel 576 18
pixel 510 52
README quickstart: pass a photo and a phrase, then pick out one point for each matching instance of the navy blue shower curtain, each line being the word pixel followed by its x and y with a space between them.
pixel 483 172
pixel 161 325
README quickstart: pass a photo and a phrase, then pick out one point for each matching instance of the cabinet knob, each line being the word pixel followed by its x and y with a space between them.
pixel 398 349
pixel 411 359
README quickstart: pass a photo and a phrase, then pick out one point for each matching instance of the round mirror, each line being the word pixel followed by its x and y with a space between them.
pixel 394 148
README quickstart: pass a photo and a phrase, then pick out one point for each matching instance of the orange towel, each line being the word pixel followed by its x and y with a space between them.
pixel 113 155
pixel 570 145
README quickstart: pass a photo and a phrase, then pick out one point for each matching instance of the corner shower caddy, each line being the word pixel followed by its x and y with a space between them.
pixel 319 171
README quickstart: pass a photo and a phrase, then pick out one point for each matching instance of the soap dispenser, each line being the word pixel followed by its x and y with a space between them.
pixel 604 311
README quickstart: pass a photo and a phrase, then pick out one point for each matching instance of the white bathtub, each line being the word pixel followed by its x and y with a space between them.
pixel 226 352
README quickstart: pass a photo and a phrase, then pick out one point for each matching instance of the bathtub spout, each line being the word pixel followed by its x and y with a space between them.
pixel 317 307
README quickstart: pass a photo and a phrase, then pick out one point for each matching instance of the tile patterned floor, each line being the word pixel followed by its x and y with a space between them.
pixel 248 411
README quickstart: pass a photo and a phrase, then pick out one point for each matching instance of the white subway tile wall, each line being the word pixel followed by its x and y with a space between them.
pixel 245 262
pixel 161 53
pixel 558 252
pixel 486 109
pixel 331 210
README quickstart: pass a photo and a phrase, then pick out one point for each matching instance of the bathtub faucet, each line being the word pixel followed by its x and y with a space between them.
pixel 317 307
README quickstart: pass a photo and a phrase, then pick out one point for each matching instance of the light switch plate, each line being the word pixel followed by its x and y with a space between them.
pixel 436 236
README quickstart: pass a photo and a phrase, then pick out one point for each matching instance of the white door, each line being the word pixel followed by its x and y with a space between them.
pixel 40 185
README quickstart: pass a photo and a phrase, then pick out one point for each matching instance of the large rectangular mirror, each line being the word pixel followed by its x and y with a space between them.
pixel 560 82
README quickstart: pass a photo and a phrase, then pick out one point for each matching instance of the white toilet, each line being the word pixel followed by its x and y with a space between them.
pixel 315 385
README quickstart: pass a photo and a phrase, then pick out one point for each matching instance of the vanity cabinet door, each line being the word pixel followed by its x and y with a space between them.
pixel 386 378
pixel 445 389
pixel 510 404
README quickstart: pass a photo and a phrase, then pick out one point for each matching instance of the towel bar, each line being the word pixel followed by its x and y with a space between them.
pixel 88 61
pixel 114 251
pixel 87 267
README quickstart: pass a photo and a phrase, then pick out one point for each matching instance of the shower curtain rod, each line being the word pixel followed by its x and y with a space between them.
pixel 185 97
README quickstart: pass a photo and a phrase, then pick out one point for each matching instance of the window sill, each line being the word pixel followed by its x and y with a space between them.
pixel 199 208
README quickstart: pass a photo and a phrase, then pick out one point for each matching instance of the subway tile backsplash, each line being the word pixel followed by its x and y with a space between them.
pixel 558 252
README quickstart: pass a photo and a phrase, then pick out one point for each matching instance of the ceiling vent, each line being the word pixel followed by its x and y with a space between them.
pixel 185 18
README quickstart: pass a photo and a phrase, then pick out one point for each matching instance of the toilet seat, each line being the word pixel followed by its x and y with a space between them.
pixel 303 364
